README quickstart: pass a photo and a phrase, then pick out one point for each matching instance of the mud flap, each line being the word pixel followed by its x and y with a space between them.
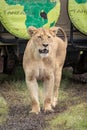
pixel 81 66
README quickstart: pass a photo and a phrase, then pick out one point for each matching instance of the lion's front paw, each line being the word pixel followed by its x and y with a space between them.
pixel 34 111
pixel 48 108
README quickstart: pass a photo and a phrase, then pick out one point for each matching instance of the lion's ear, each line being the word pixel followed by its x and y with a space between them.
pixel 53 30
pixel 32 30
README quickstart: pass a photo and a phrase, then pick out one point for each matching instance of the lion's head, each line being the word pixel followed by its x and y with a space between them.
pixel 42 40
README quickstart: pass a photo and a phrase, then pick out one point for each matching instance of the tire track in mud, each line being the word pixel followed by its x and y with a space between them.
pixel 19 118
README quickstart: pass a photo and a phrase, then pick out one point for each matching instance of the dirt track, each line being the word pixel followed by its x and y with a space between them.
pixel 20 119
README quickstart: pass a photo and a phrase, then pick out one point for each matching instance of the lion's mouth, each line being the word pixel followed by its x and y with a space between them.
pixel 44 51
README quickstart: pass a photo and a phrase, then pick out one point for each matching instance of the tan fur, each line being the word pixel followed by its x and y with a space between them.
pixel 43 59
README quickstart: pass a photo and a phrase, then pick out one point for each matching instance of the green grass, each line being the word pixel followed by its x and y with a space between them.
pixel 3 110
pixel 75 118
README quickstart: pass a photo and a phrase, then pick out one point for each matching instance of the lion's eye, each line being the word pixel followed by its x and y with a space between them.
pixel 39 37
pixel 49 36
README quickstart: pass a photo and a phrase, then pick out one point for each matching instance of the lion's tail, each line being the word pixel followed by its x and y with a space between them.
pixel 63 32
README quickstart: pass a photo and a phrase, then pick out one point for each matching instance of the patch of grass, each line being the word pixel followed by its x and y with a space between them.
pixel 66 78
pixel 15 93
pixel 3 110
pixel 75 118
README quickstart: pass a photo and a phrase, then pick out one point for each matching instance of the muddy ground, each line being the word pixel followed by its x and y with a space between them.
pixel 19 117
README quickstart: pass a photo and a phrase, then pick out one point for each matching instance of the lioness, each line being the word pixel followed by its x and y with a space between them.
pixel 43 60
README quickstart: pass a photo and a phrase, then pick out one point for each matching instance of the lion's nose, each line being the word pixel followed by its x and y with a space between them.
pixel 45 45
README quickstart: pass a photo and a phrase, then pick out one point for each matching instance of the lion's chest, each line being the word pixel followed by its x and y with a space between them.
pixel 42 71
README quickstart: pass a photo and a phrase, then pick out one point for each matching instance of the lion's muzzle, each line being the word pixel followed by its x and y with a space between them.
pixel 43 51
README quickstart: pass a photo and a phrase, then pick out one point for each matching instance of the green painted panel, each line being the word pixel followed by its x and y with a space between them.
pixel 81 1
pixel 77 10
pixel 18 15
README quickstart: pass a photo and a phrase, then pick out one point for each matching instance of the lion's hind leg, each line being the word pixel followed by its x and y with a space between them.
pixel 58 74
